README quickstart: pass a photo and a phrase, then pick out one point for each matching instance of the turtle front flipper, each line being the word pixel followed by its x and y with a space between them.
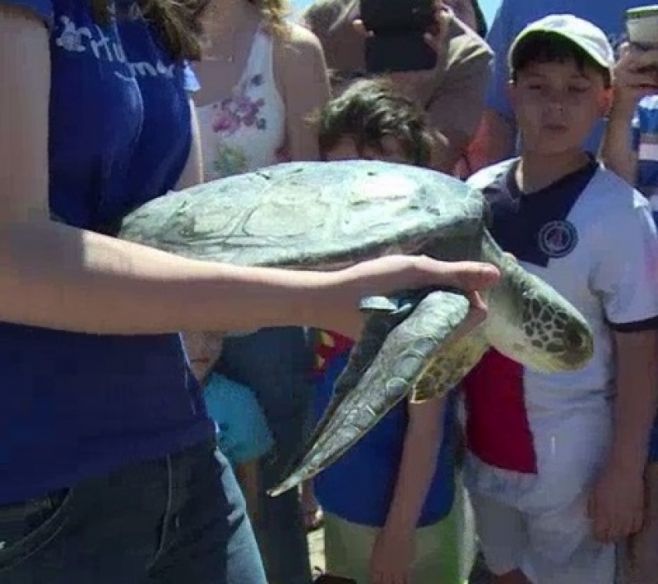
pixel 385 314
pixel 433 326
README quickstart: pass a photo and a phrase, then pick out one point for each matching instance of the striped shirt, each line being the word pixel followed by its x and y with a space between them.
pixel 645 143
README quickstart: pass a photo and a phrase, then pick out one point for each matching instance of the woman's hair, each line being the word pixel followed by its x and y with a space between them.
pixel 274 13
pixel 178 22
pixel 368 111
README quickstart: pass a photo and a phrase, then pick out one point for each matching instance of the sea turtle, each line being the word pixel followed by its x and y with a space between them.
pixel 326 215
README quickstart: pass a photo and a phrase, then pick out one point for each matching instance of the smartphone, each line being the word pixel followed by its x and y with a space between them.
pixel 642 26
pixel 397 42
pixel 397 15
pixel 329 579
pixel 408 51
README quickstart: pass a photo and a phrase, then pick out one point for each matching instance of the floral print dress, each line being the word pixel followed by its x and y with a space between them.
pixel 245 130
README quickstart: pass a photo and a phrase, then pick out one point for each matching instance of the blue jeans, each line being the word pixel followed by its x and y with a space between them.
pixel 277 363
pixel 171 521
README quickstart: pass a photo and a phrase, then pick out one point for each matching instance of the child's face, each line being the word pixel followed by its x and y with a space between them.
pixel 346 149
pixel 557 105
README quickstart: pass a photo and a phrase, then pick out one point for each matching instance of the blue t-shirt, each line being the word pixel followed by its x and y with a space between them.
pixel 242 430
pixel 74 405
pixel 359 486
pixel 514 15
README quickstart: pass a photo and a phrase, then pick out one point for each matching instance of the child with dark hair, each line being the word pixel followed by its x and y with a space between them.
pixel 388 501
pixel 372 120
pixel 555 461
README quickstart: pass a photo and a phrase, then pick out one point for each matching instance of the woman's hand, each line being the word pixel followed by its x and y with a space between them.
pixel 392 273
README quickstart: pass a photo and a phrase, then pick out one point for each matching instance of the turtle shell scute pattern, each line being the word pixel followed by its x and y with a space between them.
pixel 313 214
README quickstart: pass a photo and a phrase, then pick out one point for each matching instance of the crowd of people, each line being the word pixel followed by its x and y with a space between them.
pixel 135 446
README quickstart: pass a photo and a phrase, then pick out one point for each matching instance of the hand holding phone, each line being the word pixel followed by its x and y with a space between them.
pixel 635 76
pixel 642 26
pixel 396 39
pixel 382 16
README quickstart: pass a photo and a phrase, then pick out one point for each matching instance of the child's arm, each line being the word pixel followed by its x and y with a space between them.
pixel 248 476
pixel 617 500
pixel 394 548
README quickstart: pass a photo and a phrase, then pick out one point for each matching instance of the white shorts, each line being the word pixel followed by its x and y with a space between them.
pixel 549 548
pixel 538 523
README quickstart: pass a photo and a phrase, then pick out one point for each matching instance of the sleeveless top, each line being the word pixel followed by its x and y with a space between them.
pixel 74 406
pixel 246 130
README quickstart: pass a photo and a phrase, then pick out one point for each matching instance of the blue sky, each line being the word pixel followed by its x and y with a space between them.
pixel 488 6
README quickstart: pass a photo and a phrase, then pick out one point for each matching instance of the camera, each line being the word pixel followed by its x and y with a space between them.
pixel 397 16
pixel 398 42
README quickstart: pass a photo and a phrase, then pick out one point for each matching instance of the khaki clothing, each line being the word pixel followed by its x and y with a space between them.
pixel 455 101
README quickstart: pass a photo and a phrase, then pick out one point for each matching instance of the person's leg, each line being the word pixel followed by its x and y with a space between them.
pixel 205 536
pixel 503 538
pixel 640 556
pixel 276 364
pixel 562 549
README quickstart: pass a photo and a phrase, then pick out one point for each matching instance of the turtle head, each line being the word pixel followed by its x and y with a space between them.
pixel 533 324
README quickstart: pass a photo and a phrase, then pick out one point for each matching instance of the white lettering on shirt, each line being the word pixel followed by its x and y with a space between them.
pixel 82 39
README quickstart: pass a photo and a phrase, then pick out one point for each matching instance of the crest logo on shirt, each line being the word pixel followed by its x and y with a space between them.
pixel 557 238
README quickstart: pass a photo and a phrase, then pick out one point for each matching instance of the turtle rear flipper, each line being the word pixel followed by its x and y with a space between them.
pixel 432 327
pixel 445 371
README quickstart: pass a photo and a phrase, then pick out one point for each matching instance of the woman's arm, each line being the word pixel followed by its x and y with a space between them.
pixel 301 74
pixel 394 550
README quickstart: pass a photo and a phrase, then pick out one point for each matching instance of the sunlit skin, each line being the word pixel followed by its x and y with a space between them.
pixel 556 106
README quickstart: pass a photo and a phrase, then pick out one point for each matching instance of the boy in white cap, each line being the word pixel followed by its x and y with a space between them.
pixel 555 461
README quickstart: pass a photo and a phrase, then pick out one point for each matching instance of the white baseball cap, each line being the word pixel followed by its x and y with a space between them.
pixel 582 33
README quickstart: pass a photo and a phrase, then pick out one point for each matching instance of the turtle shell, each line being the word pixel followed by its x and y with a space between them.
pixel 309 214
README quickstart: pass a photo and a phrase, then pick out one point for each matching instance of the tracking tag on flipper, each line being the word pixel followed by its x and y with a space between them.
pixel 379 304
pixel 401 303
